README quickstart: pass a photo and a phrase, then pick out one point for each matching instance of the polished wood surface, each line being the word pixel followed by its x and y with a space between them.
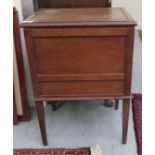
pixel 88 57
pixel 125 113
pixel 41 120
pixel 59 74
pixel 72 3
pixel 79 17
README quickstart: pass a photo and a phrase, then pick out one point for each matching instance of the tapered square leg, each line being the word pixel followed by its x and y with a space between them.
pixel 54 106
pixel 125 121
pixel 116 104
pixel 41 119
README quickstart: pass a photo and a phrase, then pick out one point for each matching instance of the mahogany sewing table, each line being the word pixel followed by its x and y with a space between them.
pixel 80 54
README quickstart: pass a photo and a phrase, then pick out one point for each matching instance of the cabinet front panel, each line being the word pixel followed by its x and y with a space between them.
pixel 81 88
pixel 82 61
pixel 79 55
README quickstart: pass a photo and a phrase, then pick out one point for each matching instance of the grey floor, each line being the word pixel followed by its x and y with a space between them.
pixel 84 123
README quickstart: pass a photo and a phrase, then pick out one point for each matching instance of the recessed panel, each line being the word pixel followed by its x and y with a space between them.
pixel 79 55
pixel 76 88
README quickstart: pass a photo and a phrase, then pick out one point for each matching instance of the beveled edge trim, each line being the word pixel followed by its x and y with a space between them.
pixel 77 32
pixel 78 24
pixel 79 77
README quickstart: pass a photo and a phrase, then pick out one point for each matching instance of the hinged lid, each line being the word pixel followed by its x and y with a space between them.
pixel 79 17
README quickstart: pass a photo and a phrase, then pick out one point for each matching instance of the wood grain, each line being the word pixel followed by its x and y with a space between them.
pixel 107 63
pixel 41 119
pixel 126 110
pixel 79 17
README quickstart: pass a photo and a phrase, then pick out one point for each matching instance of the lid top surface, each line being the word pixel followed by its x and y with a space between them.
pixel 70 16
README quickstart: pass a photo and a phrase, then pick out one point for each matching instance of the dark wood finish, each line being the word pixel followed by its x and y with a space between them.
pixel 116 104
pixel 20 66
pixel 41 119
pixel 81 88
pixel 126 110
pixel 71 3
pixel 84 57
pixel 15 117
pixel 55 71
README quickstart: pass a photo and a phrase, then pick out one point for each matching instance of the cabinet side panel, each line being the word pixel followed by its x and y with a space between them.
pixel 129 61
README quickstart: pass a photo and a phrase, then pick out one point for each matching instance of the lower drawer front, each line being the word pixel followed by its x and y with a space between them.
pixel 81 88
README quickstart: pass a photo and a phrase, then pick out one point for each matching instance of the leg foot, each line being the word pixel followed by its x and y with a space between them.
pixel 126 109
pixel 41 119
pixel 116 104
pixel 108 103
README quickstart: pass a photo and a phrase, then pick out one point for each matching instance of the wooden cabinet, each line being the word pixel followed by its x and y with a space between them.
pixel 80 54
